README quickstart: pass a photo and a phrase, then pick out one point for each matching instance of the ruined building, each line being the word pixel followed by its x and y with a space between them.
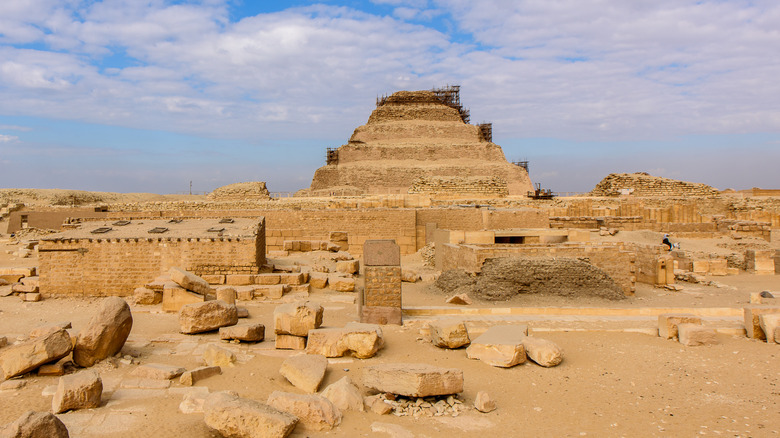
pixel 420 139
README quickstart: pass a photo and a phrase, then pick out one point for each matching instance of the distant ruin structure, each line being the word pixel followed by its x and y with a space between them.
pixel 644 185
pixel 413 135
pixel 254 190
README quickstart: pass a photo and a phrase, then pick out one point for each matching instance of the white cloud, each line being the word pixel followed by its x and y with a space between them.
pixel 8 138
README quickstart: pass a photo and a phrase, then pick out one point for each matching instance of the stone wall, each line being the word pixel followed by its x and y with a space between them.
pixel 643 184
pixel 243 191
pixel 477 187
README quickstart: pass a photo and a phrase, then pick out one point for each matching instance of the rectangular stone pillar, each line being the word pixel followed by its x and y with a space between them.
pixel 381 302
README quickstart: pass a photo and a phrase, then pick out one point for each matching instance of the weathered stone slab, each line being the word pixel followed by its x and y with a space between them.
pixel 218 356
pixel 341 284
pixel 500 346
pixel 227 295
pixel 232 416
pixel 542 351
pixel 267 279
pixel 105 334
pixel 206 316
pixel 449 334
pixel 413 379
pixel 175 297
pixel 314 411
pixel 35 425
pixel 348 266
pixel 27 356
pixel 305 371
pixel 769 324
pixel 158 371
pixel 239 279
pixel 292 278
pixel 695 334
pixel 243 332
pixel 297 318
pixel 362 340
pixel 290 342
pixel 376 404
pixel 752 322
pixel 381 253
pixel 189 378
pixel 190 281
pixel 318 280
pixel 410 276
pixel 82 390
pixel 344 395
pixel 381 315
pixel 667 323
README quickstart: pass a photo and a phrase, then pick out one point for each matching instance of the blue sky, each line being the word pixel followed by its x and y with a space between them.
pixel 148 95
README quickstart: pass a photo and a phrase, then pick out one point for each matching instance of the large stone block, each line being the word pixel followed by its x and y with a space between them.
pixel 500 346
pixel 267 279
pixel 227 294
pixel 413 379
pixel 297 318
pixel 232 416
pixel 449 334
pixel 175 297
pixel 381 315
pixel 243 333
pixel 348 266
pixel 82 390
pixel 695 334
pixel 27 356
pixel 318 280
pixel 760 261
pixel 206 316
pixel 543 352
pixel 314 411
pixel 344 395
pixel 218 357
pixel 752 321
pixel 190 281
pixel 341 284
pixel 667 323
pixel 35 425
pixel 305 371
pixel 381 253
pixel 362 340
pixel 769 324
pixel 105 334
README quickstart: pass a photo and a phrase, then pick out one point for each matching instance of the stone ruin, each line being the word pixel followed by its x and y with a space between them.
pixel 412 135
pixel 643 184
pixel 244 191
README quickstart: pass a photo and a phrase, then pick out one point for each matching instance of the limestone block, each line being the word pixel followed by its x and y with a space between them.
pixel 218 357
pixel 30 296
pixel 267 279
pixel 701 266
pixel 484 403
pixel 719 267
pixel 300 289
pixel 290 342
pixel 297 318
pixel 543 352
pixel 344 395
pixel 667 323
pixel 362 340
pixel 777 335
pixel 410 276
pixel 752 323
pixel 341 284
pixel 377 405
pixel 3 341
pixel 158 371
pixel 189 378
pixel 239 279
pixel 20 288
pixel 449 334
pixel 245 293
pixel 318 280
pixel 36 425
pixel 242 312
pixel 243 332
pixel 314 411
pixel 461 299
pixel 305 371
pixel 190 281
pixel 381 253
pixel 227 295
pixel 146 296
pixel 292 278
pixel 413 379
pixel 82 390
pixel 381 315
pixel 213 278
pixel 206 316
pixel 696 334
pixel 769 323
pixel 348 266
pixel 175 297
pixel 500 346
pixel 44 330
pixel 105 334
pixel 53 369
pixel 232 416
pixel 6 290
pixel 22 358
pixel 760 261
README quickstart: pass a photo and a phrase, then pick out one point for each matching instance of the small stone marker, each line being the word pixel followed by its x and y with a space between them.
pixel 377 405
pixel 460 299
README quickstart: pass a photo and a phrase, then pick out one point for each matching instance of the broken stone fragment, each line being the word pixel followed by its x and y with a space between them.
pixel 27 356
pixel 410 276
pixel 695 334
pixel 49 328
pixel 82 390
pixel 227 294
pixel 542 351
pixel 344 395
pixel 105 334
pixel 206 316
pixel 290 342
pixel 158 371
pixel 297 318
pixel 175 297
pixel 461 299
pixel 318 280
pixel 752 321
pixel 314 411
pixel 500 346
pixel 449 334
pixel 35 425
pixel 189 378
pixel 146 296
pixel 243 332
pixel 362 340
pixel 483 402
pixel 243 312
pixel 348 266
pixel 190 281
pixel 377 405
pixel 341 284
pixel 218 356
pixel 305 371
pixel 413 379
pixel 668 322
pixel 769 323
pixel 232 416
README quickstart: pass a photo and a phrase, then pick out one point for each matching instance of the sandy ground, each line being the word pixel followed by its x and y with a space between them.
pixel 611 383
